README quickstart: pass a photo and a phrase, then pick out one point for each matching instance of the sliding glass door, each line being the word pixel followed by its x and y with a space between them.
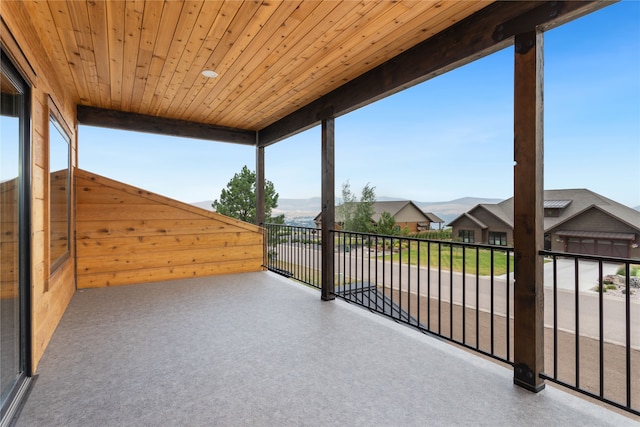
pixel 14 234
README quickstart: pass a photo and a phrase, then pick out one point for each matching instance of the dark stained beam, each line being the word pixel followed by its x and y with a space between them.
pixel 114 119
pixel 462 43
pixel 260 187
pixel 328 209
pixel 528 200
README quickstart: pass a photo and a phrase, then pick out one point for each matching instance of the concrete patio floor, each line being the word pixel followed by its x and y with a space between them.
pixel 260 350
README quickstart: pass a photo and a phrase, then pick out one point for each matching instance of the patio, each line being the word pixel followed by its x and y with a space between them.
pixel 258 349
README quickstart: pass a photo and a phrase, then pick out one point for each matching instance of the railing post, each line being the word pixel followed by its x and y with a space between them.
pixel 328 208
pixel 528 232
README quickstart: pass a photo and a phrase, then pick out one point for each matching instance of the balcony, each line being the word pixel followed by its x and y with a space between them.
pixel 590 344
pixel 259 349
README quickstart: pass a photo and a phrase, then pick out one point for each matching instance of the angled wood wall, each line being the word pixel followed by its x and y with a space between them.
pixel 125 235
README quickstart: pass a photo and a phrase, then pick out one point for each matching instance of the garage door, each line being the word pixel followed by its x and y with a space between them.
pixel 602 247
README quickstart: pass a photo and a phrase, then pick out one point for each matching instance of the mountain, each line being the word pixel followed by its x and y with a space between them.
pixel 637 208
pixel 307 209
pixel 292 208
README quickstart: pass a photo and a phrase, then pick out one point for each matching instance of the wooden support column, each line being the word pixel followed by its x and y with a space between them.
pixel 528 232
pixel 260 190
pixel 328 208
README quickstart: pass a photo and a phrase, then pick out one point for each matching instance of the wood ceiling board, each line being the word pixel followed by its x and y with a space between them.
pixel 461 43
pixel 154 69
pixel 317 30
pixel 309 73
pixel 133 15
pixel 115 18
pixel 58 17
pixel 79 19
pixel 171 12
pixel 246 22
pixel 297 93
pixel 208 35
pixel 273 57
pixel 97 15
pixel 178 42
pixel 151 26
pixel 203 101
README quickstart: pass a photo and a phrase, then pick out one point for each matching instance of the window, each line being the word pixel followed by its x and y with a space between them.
pixel 466 236
pixel 551 212
pixel 498 238
pixel 59 190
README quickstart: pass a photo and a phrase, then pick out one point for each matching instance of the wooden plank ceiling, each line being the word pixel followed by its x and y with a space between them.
pixel 272 57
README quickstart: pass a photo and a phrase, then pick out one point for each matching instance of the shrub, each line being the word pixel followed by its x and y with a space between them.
pixel 634 270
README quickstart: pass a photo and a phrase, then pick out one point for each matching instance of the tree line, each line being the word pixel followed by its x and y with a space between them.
pixel 238 200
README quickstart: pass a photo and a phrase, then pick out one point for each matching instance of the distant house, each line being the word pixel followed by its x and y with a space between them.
pixel 405 213
pixel 576 221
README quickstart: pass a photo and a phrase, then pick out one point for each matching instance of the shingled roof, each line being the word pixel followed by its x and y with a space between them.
pixel 575 202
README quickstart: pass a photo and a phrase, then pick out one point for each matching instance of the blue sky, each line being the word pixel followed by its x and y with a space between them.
pixel 447 138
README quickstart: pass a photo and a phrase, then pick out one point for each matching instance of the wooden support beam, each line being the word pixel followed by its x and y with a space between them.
pixel 464 42
pixel 328 208
pixel 122 120
pixel 528 231
pixel 260 190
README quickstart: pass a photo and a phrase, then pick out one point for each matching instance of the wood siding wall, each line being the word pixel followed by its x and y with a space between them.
pixel 126 235
pixel 51 290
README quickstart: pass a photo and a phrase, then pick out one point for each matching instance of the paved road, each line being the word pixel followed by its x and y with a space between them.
pixel 425 281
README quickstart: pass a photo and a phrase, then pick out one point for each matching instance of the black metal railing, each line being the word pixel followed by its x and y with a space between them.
pixel 457 291
pixel 592 327
pixel 294 252
pixel 450 289
pixel 464 293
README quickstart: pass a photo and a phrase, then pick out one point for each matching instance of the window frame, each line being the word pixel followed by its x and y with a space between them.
pixel 57 124
pixel 502 238
pixel 467 236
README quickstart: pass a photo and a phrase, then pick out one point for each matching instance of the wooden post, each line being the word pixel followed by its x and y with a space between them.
pixel 260 214
pixel 328 208
pixel 528 232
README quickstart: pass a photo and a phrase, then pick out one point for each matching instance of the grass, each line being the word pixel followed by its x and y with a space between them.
pixel 445 260
pixel 410 254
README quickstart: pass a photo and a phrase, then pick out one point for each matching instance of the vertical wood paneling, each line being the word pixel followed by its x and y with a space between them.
pixel 126 235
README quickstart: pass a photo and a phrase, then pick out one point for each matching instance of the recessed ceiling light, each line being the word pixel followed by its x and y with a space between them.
pixel 210 73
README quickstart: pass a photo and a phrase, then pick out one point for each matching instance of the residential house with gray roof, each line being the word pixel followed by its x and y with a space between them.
pixel 575 221
pixel 406 214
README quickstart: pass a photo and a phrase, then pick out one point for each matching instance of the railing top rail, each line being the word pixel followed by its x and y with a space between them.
pixel 617 260
pixel 418 239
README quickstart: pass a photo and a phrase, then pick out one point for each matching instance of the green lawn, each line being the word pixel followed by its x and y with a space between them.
pixel 445 261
